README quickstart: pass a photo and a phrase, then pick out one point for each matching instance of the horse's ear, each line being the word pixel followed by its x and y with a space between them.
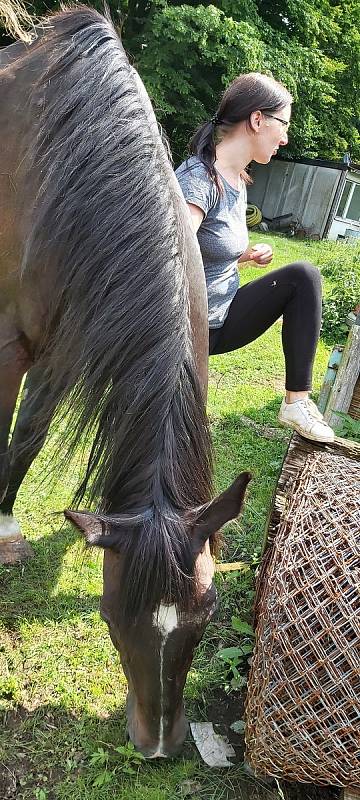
pixel 95 529
pixel 223 508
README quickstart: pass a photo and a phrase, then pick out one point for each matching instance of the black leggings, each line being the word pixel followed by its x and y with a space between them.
pixel 294 292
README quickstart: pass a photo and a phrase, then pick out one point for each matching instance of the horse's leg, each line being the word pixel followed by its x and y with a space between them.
pixel 14 362
pixel 27 439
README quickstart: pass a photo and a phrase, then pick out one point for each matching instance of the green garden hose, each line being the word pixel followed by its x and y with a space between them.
pixel 253 216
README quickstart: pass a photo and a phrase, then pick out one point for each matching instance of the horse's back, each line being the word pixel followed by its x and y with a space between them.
pixel 54 86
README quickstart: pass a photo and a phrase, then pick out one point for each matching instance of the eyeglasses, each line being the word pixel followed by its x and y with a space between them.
pixel 284 122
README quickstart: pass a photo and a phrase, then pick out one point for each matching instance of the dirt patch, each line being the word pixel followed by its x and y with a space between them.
pixel 8 784
pixel 265 431
pixel 223 710
pixel 20 773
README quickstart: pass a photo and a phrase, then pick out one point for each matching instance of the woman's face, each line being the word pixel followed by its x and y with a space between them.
pixel 270 132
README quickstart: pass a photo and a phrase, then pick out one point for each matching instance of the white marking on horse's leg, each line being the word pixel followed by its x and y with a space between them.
pixel 9 526
pixel 165 619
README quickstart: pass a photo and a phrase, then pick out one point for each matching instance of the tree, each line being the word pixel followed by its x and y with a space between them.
pixel 187 54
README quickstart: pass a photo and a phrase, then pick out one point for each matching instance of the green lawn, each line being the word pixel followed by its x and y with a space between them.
pixel 61 689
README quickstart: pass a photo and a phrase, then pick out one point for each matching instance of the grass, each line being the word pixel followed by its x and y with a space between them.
pixel 62 691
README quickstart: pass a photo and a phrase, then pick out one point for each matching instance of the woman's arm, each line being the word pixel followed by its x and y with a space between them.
pixel 197 215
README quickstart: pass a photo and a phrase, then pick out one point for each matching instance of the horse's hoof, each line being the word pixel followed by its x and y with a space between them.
pixel 13 547
pixel 13 552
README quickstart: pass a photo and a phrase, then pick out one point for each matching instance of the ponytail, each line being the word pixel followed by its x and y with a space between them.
pixel 203 145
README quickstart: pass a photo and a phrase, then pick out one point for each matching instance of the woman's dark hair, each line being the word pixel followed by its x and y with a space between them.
pixel 247 93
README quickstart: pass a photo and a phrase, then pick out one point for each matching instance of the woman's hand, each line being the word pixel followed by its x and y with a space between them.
pixel 261 254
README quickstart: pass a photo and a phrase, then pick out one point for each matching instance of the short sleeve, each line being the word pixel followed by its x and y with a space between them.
pixel 196 185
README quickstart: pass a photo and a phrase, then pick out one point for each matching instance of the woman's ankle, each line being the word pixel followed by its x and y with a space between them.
pixel 292 397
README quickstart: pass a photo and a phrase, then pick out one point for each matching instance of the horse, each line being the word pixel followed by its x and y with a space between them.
pixel 103 304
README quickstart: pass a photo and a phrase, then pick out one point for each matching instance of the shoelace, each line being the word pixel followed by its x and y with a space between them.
pixel 312 412
pixel 314 409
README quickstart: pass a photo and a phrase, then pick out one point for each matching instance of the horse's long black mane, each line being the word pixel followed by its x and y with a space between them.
pixel 117 342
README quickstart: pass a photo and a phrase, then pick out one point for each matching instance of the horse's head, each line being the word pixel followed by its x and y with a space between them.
pixel 156 648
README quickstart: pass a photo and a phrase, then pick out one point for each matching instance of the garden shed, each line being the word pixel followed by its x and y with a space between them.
pixel 322 198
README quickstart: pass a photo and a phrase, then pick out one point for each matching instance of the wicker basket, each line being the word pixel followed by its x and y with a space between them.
pixel 303 703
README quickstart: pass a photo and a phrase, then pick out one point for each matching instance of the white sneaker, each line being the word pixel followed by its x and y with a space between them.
pixel 305 418
pixel 315 411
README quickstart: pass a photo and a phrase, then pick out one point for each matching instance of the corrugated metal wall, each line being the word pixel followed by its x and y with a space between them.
pixel 306 191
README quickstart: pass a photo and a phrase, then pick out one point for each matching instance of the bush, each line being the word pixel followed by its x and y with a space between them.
pixel 348 427
pixel 340 265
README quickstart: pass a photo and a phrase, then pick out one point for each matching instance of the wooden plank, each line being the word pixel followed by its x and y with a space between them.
pixel 330 376
pixel 232 566
pixel 341 394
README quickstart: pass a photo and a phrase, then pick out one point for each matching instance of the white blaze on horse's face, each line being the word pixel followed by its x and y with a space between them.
pixel 165 619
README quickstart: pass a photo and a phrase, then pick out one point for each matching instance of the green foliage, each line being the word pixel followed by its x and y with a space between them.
pixel 189 58
pixel 238 726
pixel 40 794
pixel 9 689
pixel 187 53
pixel 107 764
pixel 99 758
pixel 349 428
pixel 233 657
pixel 194 52
pixel 130 758
pixel 343 272
pixel 241 627
pixel 335 310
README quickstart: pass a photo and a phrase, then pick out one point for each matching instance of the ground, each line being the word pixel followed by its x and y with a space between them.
pixel 62 692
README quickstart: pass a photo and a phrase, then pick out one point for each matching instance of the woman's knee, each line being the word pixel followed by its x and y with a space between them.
pixel 306 272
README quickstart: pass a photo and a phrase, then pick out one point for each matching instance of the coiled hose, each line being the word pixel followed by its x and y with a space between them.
pixel 253 216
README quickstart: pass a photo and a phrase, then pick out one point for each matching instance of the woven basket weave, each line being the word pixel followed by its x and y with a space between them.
pixel 303 702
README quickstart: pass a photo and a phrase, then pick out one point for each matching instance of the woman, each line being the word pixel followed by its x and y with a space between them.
pixel 250 124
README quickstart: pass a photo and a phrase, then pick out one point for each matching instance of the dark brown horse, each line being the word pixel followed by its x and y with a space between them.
pixel 102 298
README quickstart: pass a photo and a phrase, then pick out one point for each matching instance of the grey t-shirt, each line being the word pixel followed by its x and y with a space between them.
pixel 222 235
